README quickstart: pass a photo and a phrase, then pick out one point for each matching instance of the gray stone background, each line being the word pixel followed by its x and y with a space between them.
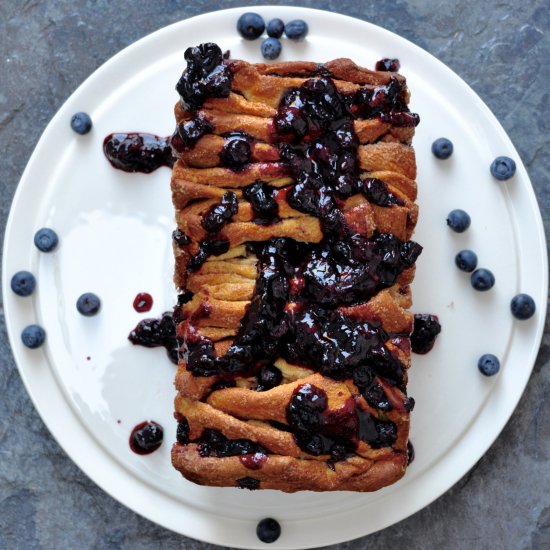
pixel 501 48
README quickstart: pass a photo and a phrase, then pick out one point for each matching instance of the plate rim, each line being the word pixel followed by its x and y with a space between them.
pixel 21 356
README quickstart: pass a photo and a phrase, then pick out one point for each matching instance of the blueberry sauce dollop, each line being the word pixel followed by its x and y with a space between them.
pixel 426 329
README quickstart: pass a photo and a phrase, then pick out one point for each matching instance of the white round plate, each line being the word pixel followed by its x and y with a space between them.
pixel 91 386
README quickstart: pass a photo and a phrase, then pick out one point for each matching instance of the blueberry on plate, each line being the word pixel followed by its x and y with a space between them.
pixel 482 279
pixel 146 437
pixel 458 220
pixel 268 530
pixel 271 48
pixel 387 64
pixel 466 260
pixel 46 239
pixel 33 336
pixel 296 29
pixel 81 123
pixel 503 168
pixel 275 28
pixel 23 283
pixel 88 304
pixel 250 25
pixel 488 364
pixel 442 148
pixel 523 306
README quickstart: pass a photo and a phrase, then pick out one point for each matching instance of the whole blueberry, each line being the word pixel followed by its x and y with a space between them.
pixel 88 304
pixel 250 25
pixel 23 283
pixel 81 123
pixel 275 28
pixel 522 306
pixel 271 48
pixel 466 260
pixel 296 29
pixel 458 220
pixel 503 168
pixel 482 279
pixel 268 530
pixel 442 148
pixel 488 364
pixel 33 336
pixel 46 239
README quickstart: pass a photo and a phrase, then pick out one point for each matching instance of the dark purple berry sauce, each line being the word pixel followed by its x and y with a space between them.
pixel 153 333
pixel 180 238
pixel 207 75
pixel 138 152
pixel 261 196
pixel 220 214
pixel 143 302
pixel 426 329
pixel 236 152
pixel 188 132
pixel 250 483
pixel 213 443
pixel 146 437
pixel 387 64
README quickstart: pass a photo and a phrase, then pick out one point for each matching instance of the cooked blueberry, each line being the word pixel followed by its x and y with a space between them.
pixel 250 25
pixel 458 220
pixel 271 48
pixel 146 437
pixel 503 168
pixel 442 148
pixel 466 260
pixel 268 530
pixel 88 304
pixel 275 28
pixel 33 336
pixel 23 283
pixel 46 239
pixel 522 306
pixel 182 432
pixel 296 29
pixel 268 377
pixel 81 123
pixel 488 364
pixel 482 279
pixel 387 64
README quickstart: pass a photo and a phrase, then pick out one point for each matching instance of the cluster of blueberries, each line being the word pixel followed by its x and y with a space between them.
pixel 522 306
pixel 23 284
pixel 252 25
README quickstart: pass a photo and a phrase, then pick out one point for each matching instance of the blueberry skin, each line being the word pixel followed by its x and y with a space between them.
pixel 268 530
pixel 81 123
pixel 275 28
pixel 522 306
pixel 46 239
pixel 503 168
pixel 488 364
pixel 271 48
pixel 482 279
pixel 466 260
pixel 250 25
pixel 442 148
pixel 88 304
pixel 458 220
pixel 296 29
pixel 33 336
pixel 23 283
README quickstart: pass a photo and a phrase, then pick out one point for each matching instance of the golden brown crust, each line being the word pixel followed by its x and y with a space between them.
pixel 223 286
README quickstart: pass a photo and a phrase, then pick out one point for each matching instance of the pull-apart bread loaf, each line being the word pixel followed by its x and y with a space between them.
pixel 294 193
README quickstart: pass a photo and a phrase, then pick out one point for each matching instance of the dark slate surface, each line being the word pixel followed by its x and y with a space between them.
pixel 48 48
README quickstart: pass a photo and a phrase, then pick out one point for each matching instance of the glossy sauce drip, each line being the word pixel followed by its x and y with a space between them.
pixel 213 443
pixel 138 152
pixel 143 302
pixel 188 132
pixel 261 196
pixel 426 329
pixel 153 333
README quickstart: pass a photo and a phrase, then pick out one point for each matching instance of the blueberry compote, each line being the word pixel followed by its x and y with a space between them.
pixel 207 75
pixel 261 197
pixel 236 152
pixel 337 433
pixel 213 443
pixel 188 132
pixel 138 152
pixel 153 333
pixel 220 214
pixel 146 437
pixel 426 329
